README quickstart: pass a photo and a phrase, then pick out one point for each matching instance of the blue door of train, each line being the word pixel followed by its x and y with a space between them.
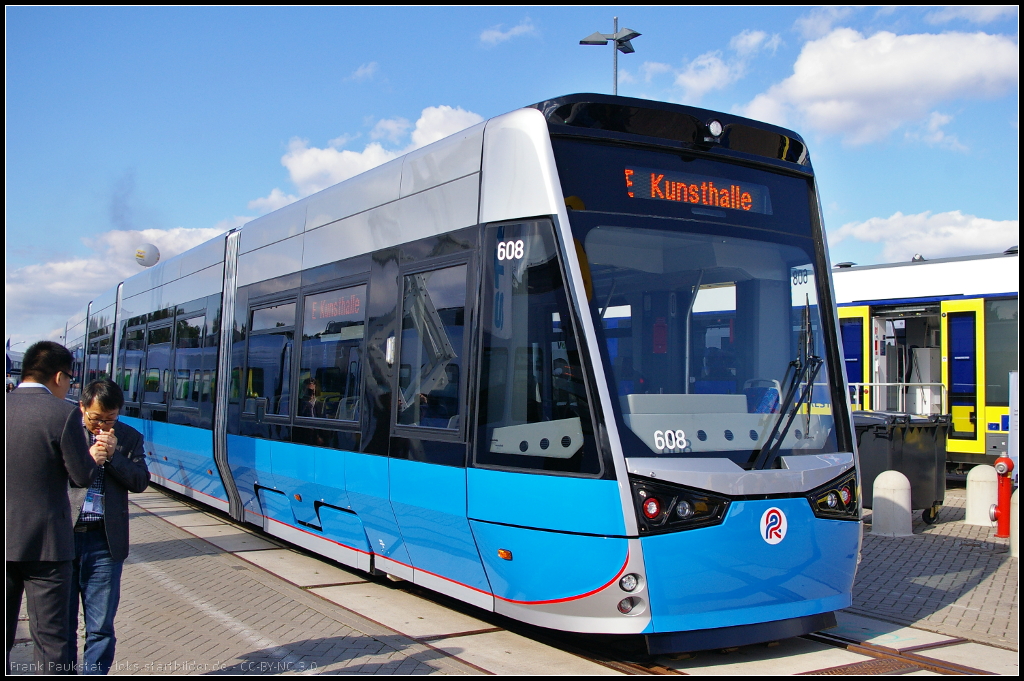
pixel 427 462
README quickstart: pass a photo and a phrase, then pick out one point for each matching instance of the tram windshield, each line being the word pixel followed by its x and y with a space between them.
pixel 707 319
pixel 711 343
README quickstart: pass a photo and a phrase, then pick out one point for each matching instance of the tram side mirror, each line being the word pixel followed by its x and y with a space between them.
pixel 261 409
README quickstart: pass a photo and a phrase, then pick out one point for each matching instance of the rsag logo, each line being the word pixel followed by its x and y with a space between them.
pixel 773 525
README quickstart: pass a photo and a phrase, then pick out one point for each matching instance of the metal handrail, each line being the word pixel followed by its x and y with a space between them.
pixel 901 400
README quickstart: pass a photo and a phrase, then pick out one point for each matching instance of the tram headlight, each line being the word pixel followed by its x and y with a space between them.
pixel 837 499
pixel 665 507
pixel 626 605
pixel 629 582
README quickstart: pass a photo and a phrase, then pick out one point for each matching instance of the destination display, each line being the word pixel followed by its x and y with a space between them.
pixel 699 190
pixel 333 306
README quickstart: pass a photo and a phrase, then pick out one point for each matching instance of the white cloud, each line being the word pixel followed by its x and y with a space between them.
pixel 276 199
pixel 314 168
pixel 705 73
pixel 978 14
pixel 820 20
pixel 750 42
pixel 865 87
pixel 40 298
pixel 713 70
pixel 365 72
pixel 494 35
pixel 437 122
pixel 931 133
pixel 391 129
pixel 933 236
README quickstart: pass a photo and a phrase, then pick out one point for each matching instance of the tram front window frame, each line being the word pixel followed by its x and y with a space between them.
pixel 592 181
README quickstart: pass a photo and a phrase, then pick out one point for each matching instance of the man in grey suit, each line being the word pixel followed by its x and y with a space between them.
pixel 45 447
pixel 101 527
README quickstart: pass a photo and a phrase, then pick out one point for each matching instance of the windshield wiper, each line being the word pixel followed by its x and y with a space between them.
pixel 802 372
pixel 799 392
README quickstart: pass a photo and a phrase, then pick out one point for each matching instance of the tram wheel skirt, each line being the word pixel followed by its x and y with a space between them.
pixel 741 635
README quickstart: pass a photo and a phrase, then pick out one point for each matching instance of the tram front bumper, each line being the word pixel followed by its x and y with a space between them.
pixel 730 579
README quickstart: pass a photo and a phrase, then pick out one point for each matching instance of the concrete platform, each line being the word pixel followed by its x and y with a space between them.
pixel 204 595
pixel 401 611
pixel 300 569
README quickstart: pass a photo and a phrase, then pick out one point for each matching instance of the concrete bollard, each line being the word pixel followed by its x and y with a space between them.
pixel 982 492
pixel 1014 526
pixel 891 506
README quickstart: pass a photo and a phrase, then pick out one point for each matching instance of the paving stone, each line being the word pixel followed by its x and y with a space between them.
pixel 951 578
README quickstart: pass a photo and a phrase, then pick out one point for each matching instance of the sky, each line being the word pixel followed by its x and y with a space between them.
pixel 173 125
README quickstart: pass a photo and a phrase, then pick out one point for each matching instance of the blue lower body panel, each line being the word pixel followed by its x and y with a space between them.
pixel 368 490
pixel 249 460
pixel 429 501
pixel 182 455
pixel 547 566
pixel 728 575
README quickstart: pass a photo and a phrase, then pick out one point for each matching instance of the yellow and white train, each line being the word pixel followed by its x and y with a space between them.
pixel 935 336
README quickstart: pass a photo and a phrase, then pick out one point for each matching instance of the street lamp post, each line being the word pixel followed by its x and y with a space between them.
pixel 620 43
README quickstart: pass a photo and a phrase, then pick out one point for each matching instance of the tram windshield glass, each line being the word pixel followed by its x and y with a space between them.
pixel 708 318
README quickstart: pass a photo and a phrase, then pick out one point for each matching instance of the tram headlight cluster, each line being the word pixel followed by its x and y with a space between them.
pixel 838 499
pixel 629 582
pixel 664 507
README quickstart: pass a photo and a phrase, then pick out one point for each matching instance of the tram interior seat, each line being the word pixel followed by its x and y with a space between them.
pixel 762 395
pixel 348 409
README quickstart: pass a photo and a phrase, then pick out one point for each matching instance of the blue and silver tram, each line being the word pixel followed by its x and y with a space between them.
pixel 577 364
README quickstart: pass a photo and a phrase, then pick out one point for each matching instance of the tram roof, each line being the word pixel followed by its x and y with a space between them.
pixel 662 123
pixel 594 115
pixel 992 274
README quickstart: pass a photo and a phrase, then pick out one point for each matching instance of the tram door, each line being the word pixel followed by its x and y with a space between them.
pixel 427 462
pixel 964 372
pixel 855 325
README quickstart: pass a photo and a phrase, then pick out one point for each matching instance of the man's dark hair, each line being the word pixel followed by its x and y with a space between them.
pixel 105 392
pixel 44 359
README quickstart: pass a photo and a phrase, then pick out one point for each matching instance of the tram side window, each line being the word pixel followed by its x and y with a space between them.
pixel 534 411
pixel 1001 324
pixel 130 369
pixel 99 356
pixel 158 356
pixel 77 348
pixel 433 328
pixel 188 361
pixel 333 329
pixel 270 358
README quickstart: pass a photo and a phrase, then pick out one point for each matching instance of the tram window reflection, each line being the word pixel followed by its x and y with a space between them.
pixel 333 331
pixel 132 354
pixel 433 326
pixel 188 357
pixel 703 337
pixel 534 411
pixel 158 357
pixel 269 359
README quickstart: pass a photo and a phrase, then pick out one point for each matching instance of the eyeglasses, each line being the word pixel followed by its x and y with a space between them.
pixel 96 419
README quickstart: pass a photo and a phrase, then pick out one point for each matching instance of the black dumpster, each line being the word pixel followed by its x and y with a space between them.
pixel 913 445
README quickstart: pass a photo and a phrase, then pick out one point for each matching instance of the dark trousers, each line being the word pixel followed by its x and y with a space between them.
pixel 96 582
pixel 47 586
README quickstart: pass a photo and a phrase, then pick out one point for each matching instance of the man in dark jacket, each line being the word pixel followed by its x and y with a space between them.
pixel 101 527
pixel 45 447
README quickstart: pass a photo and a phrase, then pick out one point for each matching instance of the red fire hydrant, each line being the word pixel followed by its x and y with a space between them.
pixel 1000 512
